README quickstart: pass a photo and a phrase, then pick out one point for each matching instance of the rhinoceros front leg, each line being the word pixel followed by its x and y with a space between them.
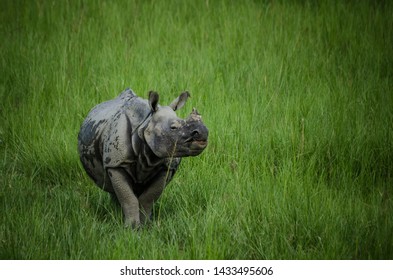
pixel 128 201
pixel 151 194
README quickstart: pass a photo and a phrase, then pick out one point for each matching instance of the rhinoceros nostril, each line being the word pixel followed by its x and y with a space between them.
pixel 195 133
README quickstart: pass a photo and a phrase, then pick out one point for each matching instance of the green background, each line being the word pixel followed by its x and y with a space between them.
pixel 297 96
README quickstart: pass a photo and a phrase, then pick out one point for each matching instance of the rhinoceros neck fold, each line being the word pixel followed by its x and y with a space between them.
pixel 146 162
pixel 140 128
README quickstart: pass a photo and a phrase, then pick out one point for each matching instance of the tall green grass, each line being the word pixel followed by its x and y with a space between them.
pixel 297 96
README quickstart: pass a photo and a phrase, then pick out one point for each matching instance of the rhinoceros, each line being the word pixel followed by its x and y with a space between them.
pixel 131 147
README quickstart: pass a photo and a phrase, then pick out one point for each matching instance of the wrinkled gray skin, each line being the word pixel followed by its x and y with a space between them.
pixel 132 147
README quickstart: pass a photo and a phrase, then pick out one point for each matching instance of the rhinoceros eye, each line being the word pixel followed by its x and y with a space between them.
pixel 175 125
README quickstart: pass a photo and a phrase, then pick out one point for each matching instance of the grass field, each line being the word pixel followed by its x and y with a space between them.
pixel 297 96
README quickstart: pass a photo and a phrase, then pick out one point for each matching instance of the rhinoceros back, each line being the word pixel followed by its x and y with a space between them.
pixel 95 122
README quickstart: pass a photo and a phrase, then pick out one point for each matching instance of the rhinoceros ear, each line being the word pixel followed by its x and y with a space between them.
pixel 153 100
pixel 180 101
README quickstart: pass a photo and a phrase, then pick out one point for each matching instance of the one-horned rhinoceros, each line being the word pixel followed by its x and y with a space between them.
pixel 132 147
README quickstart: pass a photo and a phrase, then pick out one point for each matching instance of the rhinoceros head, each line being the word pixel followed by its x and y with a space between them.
pixel 170 136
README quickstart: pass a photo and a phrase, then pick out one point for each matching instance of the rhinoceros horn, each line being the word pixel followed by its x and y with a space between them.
pixel 194 116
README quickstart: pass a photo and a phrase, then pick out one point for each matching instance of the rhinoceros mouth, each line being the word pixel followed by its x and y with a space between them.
pixel 199 144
